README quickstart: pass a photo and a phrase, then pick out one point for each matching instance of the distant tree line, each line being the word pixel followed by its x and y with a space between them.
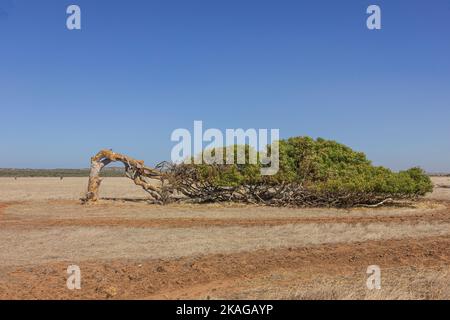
pixel 30 173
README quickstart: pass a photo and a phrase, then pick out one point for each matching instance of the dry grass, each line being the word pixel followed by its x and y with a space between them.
pixel 131 210
pixel 34 189
pixel 402 283
pixel 33 236
pixel 68 189
pixel 440 193
pixel 22 247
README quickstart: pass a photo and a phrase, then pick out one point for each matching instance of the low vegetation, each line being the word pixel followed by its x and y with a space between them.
pixel 312 173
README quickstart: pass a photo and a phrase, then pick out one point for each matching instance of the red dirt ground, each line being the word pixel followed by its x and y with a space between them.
pixel 199 277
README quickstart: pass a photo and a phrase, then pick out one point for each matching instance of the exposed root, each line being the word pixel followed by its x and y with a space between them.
pixel 376 205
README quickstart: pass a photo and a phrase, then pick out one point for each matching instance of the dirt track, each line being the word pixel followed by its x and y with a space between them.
pixel 130 249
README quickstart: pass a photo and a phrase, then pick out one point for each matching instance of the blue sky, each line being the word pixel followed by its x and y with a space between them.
pixel 140 69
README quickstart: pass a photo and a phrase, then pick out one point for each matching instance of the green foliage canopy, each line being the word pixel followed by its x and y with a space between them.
pixel 325 169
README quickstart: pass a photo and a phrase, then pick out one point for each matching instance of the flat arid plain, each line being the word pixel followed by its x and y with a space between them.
pixel 129 249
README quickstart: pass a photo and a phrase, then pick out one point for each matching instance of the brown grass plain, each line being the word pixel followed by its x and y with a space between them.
pixel 129 249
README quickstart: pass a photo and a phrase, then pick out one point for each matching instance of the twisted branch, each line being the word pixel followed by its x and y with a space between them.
pixel 134 169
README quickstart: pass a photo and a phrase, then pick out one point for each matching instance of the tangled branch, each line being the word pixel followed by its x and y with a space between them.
pixel 185 182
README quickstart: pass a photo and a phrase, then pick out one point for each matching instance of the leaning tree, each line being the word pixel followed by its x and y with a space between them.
pixel 311 173
pixel 136 170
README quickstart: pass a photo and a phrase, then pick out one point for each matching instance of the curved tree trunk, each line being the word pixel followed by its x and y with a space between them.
pixel 134 169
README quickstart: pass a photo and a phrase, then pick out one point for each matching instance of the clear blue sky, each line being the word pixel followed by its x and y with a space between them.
pixel 140 69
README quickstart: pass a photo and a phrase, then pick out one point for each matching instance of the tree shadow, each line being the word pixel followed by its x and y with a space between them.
pixel 133 200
